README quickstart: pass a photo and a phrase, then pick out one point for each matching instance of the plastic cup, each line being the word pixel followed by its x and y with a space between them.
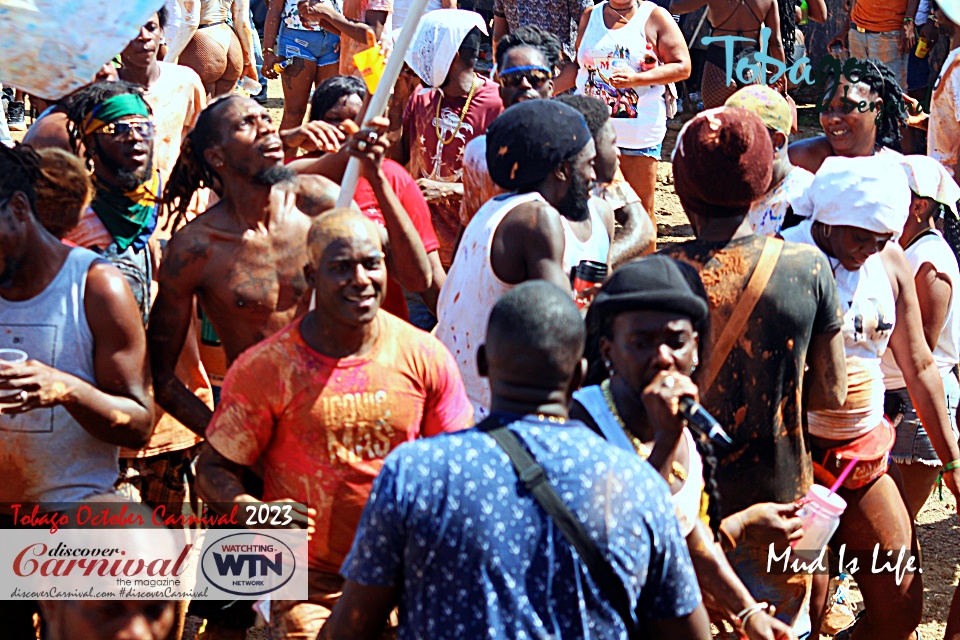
pixel 820 516
pixel 11 356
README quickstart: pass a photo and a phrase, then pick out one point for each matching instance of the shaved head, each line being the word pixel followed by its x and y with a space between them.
pixel 339 224
pixel 535 336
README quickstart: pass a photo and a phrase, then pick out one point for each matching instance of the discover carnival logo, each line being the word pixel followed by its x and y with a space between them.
pixel 248 564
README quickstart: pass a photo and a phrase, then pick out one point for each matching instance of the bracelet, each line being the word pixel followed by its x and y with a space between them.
pixel 271 50
pixel 950 466
pixel 907 19
pixel 744 615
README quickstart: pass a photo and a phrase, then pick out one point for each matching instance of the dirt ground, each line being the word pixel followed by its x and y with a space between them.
pixel 937 523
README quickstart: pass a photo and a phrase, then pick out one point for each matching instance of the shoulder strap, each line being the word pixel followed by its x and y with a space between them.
pixel 737 323
pixel 535 480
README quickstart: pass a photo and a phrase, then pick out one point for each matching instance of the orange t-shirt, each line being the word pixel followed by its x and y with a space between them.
pixel 324 425
pixel 879 15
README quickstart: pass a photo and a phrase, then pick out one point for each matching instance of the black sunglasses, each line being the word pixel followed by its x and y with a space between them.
pixel 514 76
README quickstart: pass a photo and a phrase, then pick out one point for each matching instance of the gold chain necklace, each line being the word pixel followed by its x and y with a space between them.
pixel 463 113
pixel 676 469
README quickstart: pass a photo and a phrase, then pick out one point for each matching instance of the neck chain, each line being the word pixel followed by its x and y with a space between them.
pixel 643 450
pixel 463 113
pixel 631 7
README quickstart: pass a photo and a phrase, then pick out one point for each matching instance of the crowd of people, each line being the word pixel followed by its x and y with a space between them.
pixel 480 386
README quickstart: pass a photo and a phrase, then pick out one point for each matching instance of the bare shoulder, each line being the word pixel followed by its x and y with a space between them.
pixel 190 247
pixel 533 219
pixel 316 194
pixel 896 265
pixel 810 153
pixel 107 296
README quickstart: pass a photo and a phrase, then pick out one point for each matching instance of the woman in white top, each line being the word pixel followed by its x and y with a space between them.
pixel 644 338
pixel 627 52
pixel 856 206
pixel 936 274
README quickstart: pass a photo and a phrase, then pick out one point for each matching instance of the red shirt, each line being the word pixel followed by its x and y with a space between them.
pixel 416 207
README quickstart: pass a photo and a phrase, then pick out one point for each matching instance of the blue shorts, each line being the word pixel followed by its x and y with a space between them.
pixel 649 152
pixel 320 47
pixel 913 445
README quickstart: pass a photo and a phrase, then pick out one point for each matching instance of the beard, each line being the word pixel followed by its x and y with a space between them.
pixel 274 175
pixel 574 205
pixel 126 179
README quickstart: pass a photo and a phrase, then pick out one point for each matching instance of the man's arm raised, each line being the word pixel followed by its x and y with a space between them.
pixel 170 319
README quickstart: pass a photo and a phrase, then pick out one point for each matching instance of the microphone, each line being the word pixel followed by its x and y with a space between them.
pixel 702 423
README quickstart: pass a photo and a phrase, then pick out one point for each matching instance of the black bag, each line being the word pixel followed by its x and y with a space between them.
pixel 535 480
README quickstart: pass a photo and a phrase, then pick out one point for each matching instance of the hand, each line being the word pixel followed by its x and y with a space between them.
pixel 762 626
pixel 33 385
pixel 908 37
pixel 952 480
pixel 315 135
pixel 369 145
pixel 930 32
pixel 311 12
pixel 625 79
pixel 661 399
pixel 771 522
pixel 270 59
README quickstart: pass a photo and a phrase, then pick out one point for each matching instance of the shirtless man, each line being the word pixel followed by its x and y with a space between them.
pixel 243 259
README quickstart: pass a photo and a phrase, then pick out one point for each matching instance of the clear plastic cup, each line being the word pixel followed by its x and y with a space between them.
pixel 820 516
pixel 11 356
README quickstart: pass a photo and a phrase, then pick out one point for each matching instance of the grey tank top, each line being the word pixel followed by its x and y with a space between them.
pixel 45 455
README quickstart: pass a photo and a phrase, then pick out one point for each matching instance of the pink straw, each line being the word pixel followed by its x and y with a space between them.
pixel 843 476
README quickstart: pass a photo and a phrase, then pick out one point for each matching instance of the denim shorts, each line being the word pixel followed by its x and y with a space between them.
pixel 884 46
pixel 320 47
pixel 913 444
pixel 649 152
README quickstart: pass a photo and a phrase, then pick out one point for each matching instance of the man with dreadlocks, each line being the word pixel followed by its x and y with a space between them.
pixel 244 258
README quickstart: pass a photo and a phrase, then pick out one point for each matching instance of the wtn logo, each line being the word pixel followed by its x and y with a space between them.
pixel 258 564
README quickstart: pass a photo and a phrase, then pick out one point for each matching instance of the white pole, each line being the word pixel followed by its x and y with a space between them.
pixel 378 103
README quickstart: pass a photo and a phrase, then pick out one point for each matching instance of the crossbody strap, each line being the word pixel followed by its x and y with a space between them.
pixel 532 476
pixel 737 323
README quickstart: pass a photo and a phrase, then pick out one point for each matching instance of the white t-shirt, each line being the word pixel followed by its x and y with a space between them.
pixel 767 214
pixel 943 132
pixel 934 249
pixel 402 7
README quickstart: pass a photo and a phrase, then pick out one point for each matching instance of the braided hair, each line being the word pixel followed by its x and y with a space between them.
pixel 19 170
pixel 882 83
pixel 192 172
pixel 601 326
pixel 788 27
pixel 535 38
pixel 81 102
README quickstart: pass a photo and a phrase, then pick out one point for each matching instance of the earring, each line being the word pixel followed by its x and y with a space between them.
pixel 827 230
pixel 609 366
pixel 696 360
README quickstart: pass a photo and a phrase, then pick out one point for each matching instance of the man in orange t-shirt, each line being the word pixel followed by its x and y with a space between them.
pixel 882 29
pixel 324 401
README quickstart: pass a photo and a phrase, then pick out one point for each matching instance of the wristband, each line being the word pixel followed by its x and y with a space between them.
pixel 950 466
pixel 907 19
pixel 755 608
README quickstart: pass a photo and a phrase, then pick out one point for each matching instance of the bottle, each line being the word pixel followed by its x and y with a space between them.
pixel 588 274
pixel 649 59
pixel 820 516
pixel 280 66
pixel 804 13
pixel 923 47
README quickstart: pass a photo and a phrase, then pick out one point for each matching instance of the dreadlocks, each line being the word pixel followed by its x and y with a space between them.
pixel 788 27
pixel 80 103
pixel 19 170
pixel 192 171
pixel 882 83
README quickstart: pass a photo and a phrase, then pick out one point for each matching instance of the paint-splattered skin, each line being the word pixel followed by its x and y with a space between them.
pixel 757 393
pixel 250 283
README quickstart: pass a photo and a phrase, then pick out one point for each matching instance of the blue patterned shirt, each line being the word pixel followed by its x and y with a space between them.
pixel 477 556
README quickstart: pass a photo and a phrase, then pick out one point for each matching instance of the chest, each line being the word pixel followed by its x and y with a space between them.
pixel 869 307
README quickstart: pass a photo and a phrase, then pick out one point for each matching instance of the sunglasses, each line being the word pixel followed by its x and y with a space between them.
pixel 514 76
pixel 124 130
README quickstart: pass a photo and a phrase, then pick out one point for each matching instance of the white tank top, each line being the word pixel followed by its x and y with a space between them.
pixel 934 249
pixel 45 455
pixel 469 293
pixel 639 114
pixel 596 247
pixel 869 315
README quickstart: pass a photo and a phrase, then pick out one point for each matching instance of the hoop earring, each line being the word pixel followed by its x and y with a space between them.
pixel 827 230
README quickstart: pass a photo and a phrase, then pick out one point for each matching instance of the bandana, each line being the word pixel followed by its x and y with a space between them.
pixel 530 139
pixel 130 217
pixel 929 179
pixel 437 40
pixel 722 163
pixel 112 109
pixel 769 105
pixel 869 193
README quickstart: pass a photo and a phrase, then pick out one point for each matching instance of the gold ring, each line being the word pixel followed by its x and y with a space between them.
pixel 668 382
pixel 22 396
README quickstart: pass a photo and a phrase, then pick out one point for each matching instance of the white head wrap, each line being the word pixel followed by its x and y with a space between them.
pixel 869 193
pixel 929 179
pixel 438 37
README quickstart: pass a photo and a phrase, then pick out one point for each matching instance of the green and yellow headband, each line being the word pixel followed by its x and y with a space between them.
pixel 112 109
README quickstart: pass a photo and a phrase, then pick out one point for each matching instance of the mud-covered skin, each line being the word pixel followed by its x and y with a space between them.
pixel 757 392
